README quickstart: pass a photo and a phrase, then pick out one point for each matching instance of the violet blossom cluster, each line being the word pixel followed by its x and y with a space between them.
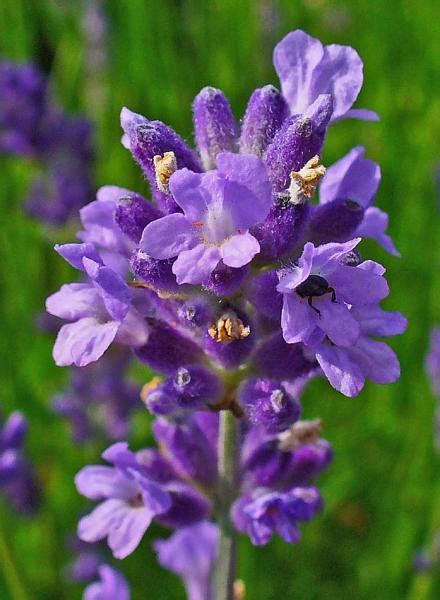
pixel 238 288
pixel 32 126
pixel 100 398
pixel 17 479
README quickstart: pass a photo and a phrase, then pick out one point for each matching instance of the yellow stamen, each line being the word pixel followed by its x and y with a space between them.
pixel 164 167
pixel 300 434
pixel 305 181
pixel 228 328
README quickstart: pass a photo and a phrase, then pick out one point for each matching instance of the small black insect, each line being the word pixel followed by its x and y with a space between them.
pixel 315 286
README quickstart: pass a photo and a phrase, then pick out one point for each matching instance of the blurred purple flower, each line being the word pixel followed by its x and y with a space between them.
pixel 191 553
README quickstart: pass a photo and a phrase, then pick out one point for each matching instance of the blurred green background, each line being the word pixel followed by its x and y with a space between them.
pixel 383 490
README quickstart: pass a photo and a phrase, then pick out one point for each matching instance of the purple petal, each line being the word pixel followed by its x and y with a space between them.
pixel 97 482
pixel 74 254
pixel 337 322
pixel 340 73
pixel 297 319
pixel 292 278
pixel 134 330
pixel 375 321
pixel 195 265
pixel 341 371
pixel 83 342
pixel 98 524
pixel 372 267
pixel 155 497
pixel 74 301
pixel 168 236
pixel 185 187
pixel 374 226
pixel 111 587
pixel 111 193
pixel 329 253
pixel 295 59
pixel 125 537
pixel 239 250
pixel 250 172
pixel 363 114
pixel 306 69
pixel 358 286
pixel 113 290
pixel 377 361
pixel 352 177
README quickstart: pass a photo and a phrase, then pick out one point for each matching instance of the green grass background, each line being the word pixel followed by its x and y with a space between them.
pixel 383 491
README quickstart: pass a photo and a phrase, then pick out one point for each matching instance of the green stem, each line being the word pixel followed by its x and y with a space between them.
pixel 9 567
pixel 227 488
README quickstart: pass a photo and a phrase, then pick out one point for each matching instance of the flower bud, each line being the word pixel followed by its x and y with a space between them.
pixel 225 281
pixel 335 221
pixel 156 273
pixel 214 125
pixel 279 360
pixel 264 116
pixel 187 506
pixel 268 404
pixel 283 228
pixel 166 349
pixel 147 139
pixel 133 213
pixel 196 387
pixel 188 449
pixel 300 138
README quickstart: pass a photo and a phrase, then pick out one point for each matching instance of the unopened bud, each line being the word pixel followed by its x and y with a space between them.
pixel 164 167
pixel 300 434
pixel 228 328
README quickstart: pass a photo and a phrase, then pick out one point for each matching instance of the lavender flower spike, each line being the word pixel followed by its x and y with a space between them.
pixel 306 69
pixel 219 208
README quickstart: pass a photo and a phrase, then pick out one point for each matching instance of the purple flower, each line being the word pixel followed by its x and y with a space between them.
pixel 191 553
pixel 433 361
pixel 99 398
pixel 111 586
pixel 277 512
pixel 347 367
pixel 267 403
pixel 219 208
pixel 357 178
pixel 318 293
pixel 100 310
pixel 17 480
pixel 130 501
pixel 23 98
pixel 306 69
pixel 101 229
pixel 33 126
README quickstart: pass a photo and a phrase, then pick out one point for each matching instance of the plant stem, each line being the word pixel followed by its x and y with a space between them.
pixel 10 569
pixel 227 488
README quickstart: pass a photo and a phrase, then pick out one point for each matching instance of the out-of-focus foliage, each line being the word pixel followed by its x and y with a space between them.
pixel 383 491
